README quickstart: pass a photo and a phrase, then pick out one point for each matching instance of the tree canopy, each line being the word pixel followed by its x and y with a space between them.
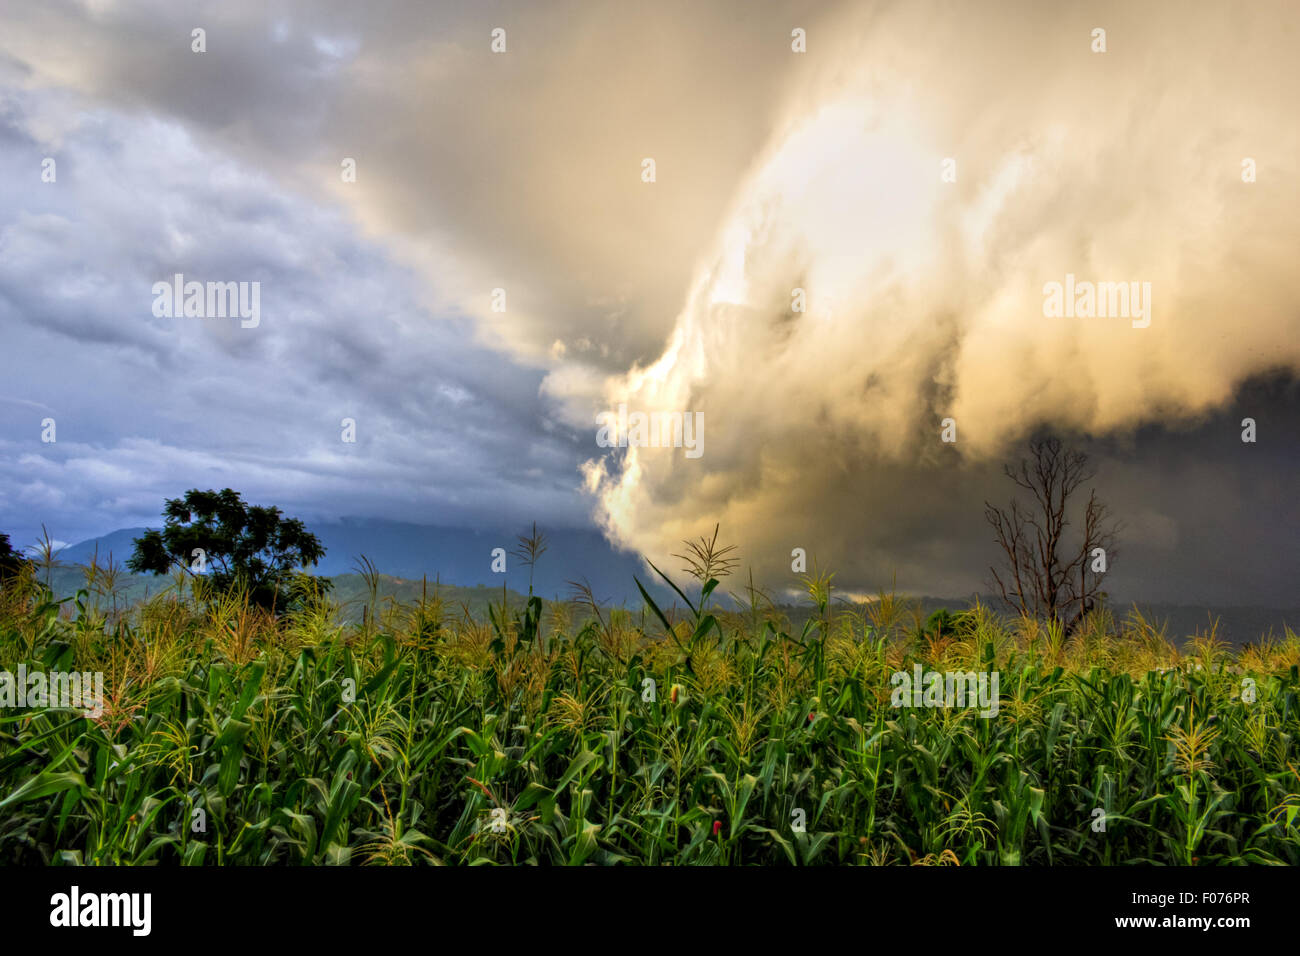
pixel 232 543
pixel 11 561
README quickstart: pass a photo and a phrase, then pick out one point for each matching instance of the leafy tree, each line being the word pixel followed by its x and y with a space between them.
pixel 944 623
pixel 236 545
pixel 11 562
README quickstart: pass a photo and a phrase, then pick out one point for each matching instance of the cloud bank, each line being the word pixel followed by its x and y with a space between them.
pixel 820 171
pixel 924 297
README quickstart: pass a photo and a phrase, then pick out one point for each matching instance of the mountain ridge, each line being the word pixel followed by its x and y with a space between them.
pixel 462 558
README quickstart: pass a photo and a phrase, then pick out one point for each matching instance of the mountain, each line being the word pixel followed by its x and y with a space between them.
pixel 461 558
pixel 118 543
pixel 457 556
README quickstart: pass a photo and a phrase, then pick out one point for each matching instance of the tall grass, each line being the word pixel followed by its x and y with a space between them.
pixel 590 735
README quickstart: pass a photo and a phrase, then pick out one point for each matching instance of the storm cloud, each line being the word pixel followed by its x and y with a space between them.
pixel 775 171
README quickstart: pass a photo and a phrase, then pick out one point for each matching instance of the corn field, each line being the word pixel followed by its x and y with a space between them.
pixel 568 733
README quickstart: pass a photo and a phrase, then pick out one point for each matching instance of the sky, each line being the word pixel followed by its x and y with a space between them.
pixel 853 214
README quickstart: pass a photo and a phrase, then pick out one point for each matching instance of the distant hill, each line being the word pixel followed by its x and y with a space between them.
pixel 460 556
pixel 460 559
pixel 349 590
pixel 1236 625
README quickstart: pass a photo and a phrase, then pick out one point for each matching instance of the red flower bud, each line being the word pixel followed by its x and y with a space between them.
pixel 717 827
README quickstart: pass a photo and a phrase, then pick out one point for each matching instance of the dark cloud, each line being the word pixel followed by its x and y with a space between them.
pixel 774 170
pixel 146 407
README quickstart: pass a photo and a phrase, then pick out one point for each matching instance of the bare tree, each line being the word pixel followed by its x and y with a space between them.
pixel 1047 572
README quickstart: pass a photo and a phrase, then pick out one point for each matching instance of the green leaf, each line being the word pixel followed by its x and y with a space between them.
pixel 44 784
